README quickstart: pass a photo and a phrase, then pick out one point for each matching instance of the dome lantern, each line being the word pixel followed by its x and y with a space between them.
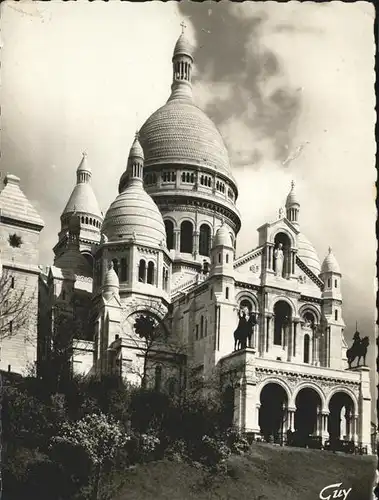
pixel 182 61
pixel 134 169
pixel 292 206
pixel 330 264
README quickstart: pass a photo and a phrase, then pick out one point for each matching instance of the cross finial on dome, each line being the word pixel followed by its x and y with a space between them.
pixel 84 153
pixel 136 136
pixel 330 249
pixel 292 184
pixel 183 25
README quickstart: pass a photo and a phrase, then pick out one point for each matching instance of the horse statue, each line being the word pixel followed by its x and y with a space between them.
pixel 244 330
pixel 358 350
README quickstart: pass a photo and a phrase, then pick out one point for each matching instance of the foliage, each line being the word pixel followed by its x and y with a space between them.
pixel 98 435
pixel 237 442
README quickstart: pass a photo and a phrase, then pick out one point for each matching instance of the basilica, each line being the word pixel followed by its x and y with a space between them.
pixel 152 289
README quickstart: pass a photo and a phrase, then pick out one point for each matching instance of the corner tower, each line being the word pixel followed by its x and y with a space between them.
pixel 84 204
pixel 188 172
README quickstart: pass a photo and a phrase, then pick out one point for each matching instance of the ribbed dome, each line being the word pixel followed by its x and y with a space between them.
pixel 183 47
pixel 330 264
pixel 179 132
pixel 222 237
pixel 308 254
pixel 134 214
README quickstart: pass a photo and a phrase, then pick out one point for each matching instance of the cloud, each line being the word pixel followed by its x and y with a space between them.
pixel 230 52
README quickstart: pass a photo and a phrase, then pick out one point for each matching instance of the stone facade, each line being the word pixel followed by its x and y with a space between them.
pixel 153 292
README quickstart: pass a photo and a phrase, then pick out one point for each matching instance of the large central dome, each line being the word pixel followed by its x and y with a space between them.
pixel 179 132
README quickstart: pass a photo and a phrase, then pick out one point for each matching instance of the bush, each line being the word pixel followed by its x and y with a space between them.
pixel 176 451
pixel 237 442
pixel 142 447
pixel 210 451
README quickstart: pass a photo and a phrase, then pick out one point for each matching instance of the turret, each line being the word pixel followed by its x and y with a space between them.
pixel 333 344
pixel 84 205
pixel 222 253
pixel 292 206
pixel 331 276
pixel 182 62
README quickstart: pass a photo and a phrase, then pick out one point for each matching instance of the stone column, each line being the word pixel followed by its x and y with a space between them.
pixel 268 340
pixel 177 240
pixel 294 338
pixel 324 427
pixel 195 237
pixel 291 419
pixel 290 341
pixel 354 429
pixel 319 422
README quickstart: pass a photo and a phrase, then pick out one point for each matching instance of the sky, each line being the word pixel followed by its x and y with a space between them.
pixel 289 85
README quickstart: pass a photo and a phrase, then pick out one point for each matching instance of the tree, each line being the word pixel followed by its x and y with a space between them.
pixel 155 345
pixel 99 436
pixel 15 304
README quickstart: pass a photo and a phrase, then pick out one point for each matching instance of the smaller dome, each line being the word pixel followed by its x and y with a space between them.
pixel 330 264
pixel 308 254
pixel 222 237
pixel 183 47
pixel 111 278
pixel 292 198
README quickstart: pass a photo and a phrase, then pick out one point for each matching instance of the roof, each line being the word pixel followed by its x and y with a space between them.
pixel 83 198
pixel 292 198
pixel 181 133
pixel 183 47
pixel 307 253
pixel 222 237
pixel 330 264
pixel 15 205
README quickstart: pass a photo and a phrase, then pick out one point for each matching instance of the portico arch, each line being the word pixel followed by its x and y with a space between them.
pixel 274 399
pixel 308 385
pixel 342 411
pixel 308 404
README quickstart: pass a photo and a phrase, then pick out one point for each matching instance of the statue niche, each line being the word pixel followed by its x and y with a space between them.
pixel 282 254
pixel 358 350
pixel 244 331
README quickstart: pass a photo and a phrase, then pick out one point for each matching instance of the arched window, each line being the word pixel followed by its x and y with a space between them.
pixel 150 273
pixel 335 283
pixel 202 327
pixel 169 233
pixel 336 315
pixel 204 240
pixel 90 220
pixel 227 258
pixel 186 237
pixel 115 265
pixel 329 282
pixel 306 348
pixel 219 258
pixel 282 321
pixel 86 220
pixel 124 270
pixel 142 271
pixel 227 293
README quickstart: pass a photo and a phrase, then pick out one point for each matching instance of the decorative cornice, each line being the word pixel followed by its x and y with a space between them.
pixel 252 254
pixel 309 273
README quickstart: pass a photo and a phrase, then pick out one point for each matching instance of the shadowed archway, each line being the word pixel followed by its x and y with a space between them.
pixel 274 402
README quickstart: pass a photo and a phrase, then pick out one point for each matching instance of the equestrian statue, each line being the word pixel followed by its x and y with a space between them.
pixel 358 350
pixel 244 330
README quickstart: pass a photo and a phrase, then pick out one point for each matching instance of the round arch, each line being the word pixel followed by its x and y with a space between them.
pixel 186 218
pixel 273 398
pixel 245 295
pixel 346 391
pixel 277 381
pixel 286 232
pixel 283 298
pixel 312 309
pixel 308 385
pixel 171 219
